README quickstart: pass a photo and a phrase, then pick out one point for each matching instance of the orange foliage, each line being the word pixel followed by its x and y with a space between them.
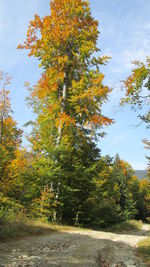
pixel 64 120
pixel 101 120
pixel 65 42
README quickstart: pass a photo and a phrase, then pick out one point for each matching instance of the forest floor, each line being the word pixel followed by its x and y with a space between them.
pixel 75 247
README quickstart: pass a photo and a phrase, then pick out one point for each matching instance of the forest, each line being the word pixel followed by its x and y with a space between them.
pixel 62 176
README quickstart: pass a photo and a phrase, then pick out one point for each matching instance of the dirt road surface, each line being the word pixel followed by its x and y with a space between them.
pixel 75 248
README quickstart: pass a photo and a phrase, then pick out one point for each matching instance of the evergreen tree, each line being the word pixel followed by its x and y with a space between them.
pixel 121 175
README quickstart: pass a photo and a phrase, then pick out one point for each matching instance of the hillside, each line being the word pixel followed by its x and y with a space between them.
pixel 140 174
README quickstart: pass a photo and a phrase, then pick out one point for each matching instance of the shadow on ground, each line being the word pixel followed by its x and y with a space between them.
pixel 68 249
pixel 11 230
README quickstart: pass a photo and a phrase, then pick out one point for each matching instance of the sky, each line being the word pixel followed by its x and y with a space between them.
pixel 124 35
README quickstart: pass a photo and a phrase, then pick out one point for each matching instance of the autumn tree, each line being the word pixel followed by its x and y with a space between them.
pixel 68 97
pixel 10 136
pixel 71 87
pixel 145 199
pixel 10 140
pixel 4 102
pixel 137 87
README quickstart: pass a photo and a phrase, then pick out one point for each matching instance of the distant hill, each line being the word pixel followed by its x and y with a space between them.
pixel 140 174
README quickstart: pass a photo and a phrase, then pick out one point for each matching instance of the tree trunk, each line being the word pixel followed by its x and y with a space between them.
pixel 63 105
pixel 60 129
pixel 2 125
pixel 3 111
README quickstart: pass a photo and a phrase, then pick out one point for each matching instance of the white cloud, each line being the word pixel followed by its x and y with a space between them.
pixel 128 56
pixel 136 46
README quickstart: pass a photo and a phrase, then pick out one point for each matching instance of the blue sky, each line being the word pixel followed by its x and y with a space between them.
pixel 125 36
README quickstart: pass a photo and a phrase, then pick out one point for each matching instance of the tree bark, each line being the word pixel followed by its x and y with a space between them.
pixel 63 104
pixel 2 125
pixel 3 111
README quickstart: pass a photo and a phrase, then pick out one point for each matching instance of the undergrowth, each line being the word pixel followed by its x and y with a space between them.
pixel 144 250
pixel 129 226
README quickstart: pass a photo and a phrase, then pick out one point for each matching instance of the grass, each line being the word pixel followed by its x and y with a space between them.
pixel 144 250
pixel 128 226
pixel 19 229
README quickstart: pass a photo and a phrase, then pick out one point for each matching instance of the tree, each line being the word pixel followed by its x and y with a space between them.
pixel 70 91
pixel 137 87
pixel 147 146
pixel 4 102
pixel 122 174
pixel 145 199
pixel 10 136
pixel 141 195
pixel 101 208
pixel 10 140
pixel 68 98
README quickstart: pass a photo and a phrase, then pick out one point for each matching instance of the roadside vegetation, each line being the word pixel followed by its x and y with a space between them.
pixel 23 227
pixel 144 250
pixel 127 226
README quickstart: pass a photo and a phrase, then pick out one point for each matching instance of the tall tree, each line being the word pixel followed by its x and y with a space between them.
pixel 4 102
pixel 71 89
pixel 10 135
pixel 10 140
pixel 69 96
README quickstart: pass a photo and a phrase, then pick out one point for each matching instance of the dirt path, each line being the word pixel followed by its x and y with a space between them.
pixel 76 248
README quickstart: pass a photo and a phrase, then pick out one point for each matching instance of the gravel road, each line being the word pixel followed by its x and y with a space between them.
pixel 78 248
